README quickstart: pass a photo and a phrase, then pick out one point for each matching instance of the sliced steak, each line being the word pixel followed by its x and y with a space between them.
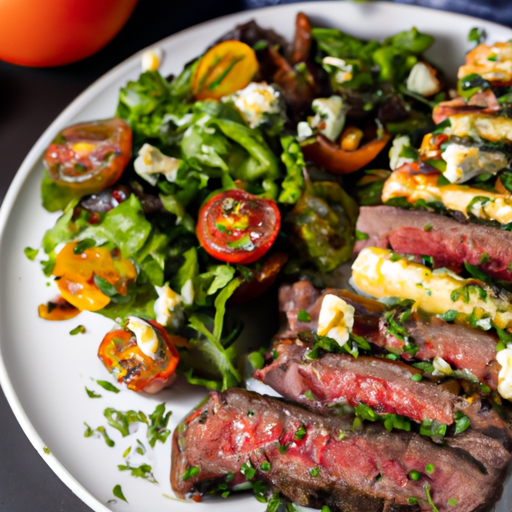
pixel 334 379
pixel 463 347
pixel 316 460
pixel 450 243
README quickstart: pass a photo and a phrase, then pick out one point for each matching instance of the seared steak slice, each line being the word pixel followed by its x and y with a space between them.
pixel 462 346
pixel 317 460
pixel 334 379
pixel 449 242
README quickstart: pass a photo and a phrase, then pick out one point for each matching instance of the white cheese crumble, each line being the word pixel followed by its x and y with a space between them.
pixel 422 80
pixel 145 334
pixel 395 160
pixel 167 302
pixel 256 100
pixel 464 163
pixel 151 162
pixel 344 71
pixel 336 319
pixel 504 358
pixel 187 292
pixel 151 59
pixel 330 116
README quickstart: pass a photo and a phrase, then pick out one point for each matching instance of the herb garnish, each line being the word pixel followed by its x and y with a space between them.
pixel 92 394
pixel 143 471
pixel 118 493
pixel 157 429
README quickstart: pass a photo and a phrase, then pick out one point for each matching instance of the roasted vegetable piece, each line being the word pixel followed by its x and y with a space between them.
pixel 79 272
pixel 88 157
pixel 224 69
pixel 323 220
pixel 256 282
pixel 302 40
pixel 237 227
pixel 329 155
pixel 141 355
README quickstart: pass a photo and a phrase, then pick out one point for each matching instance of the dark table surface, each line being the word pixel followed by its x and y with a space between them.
pixel 29 100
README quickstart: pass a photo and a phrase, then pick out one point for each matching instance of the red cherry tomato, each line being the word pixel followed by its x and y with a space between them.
pixel 123 358
pixel 237 227
pixel 89 157
pixel 56 32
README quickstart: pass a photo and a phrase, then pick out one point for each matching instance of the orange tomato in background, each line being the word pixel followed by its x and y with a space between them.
pixel 43 33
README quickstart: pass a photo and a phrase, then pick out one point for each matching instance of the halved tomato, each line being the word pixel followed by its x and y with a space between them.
pixel 126 355
pixel 75 271
pixel 237 227
pixel 224 69
pixel 89 157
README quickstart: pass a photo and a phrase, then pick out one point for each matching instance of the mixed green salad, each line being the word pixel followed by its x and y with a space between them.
pixel 207 187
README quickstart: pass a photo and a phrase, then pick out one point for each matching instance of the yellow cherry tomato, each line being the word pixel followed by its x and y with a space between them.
pixel 224 69
pixel 76 271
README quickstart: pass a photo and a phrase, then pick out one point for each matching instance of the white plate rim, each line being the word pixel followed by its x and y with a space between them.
pixel 60 121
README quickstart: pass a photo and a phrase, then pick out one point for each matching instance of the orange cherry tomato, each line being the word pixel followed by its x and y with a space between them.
pixel 224 69
pixel 56 32
pixel 89 157
pixel 331 157
pixel 57 310
pixel 124 359
pixel 76 270
pixel 237 227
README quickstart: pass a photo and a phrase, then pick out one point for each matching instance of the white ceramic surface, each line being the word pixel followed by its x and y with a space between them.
pixel 43 370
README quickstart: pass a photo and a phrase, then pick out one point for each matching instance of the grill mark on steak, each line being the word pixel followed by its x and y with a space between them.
pixel 449 242
pixel 460 345
pixel 367 469
pixel 334 379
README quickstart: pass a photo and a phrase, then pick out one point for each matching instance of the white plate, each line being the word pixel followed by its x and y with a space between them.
pixel 43 370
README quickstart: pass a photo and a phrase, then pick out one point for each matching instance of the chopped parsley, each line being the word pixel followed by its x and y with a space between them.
pixel 361 236
pixel 31 253
pixel 303 316
pixel 429 468
pixel 314 472
pixel 92 394
pixel 122 420
pixel 462 422
pixel 157 428
pixel 432 428
pixel 300 433
pixel 89 432
pixel 265 466
pixel 484 258
pixel 108 386
pixel 79 329
pixel 427 227
pixel 417 377
pixel 247 470
pixel 143 471
pixel 452 502
pixel 190 472
pixel 414 474
pixel 118 493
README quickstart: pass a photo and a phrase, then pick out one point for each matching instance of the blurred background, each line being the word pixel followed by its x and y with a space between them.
pixel 30 98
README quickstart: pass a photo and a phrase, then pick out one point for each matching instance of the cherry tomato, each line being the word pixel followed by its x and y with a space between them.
pixel 224 69
pixel 89 157
pixel 124 358
pixel 329 155
pixel 76 271
pixel 237 227
pixel 57 309
pixel 261 279
pixel 56 32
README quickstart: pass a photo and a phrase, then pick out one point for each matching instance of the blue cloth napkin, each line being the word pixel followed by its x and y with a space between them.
pixel 499 11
